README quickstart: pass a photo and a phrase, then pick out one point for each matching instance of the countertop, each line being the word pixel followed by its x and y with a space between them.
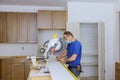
pixel 56 69
pixel 5 57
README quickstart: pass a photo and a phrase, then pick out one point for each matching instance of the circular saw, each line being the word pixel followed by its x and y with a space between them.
pixel 54 46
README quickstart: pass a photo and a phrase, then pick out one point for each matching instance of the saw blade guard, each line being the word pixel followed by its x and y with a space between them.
pixel 58 45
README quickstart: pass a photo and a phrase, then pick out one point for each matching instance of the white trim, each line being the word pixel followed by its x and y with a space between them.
pixel 21 8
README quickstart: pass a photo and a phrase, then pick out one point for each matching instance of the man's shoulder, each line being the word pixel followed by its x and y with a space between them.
pixel 76 41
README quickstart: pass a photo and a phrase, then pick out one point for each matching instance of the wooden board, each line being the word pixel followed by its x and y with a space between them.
pixel 57 71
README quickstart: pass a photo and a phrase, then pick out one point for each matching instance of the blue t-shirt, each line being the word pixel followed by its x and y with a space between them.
pixel 74 48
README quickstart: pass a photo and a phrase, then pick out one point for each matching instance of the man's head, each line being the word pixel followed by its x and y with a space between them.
pixel 68 36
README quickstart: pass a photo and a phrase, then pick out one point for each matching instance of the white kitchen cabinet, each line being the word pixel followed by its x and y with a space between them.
pixel 91 35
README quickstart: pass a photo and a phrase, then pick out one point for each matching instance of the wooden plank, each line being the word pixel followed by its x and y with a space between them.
pixel 57 71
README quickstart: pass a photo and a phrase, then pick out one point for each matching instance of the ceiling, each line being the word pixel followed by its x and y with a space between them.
pixel 46 2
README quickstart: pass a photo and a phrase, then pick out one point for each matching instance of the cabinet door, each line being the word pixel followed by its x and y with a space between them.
pixel 22 27
pixel 6 69
pixel 32 27
pixel 2 27
pixel 0 68
pixel 44 19
pixel 27 69
pixel 59 19
pixel 11 27
pixel 117 76
pixel 17 71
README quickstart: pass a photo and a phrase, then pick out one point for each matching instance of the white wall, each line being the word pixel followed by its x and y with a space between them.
pixel 117 30
pixel 95 12
pixel 18 49
pixel 45 35
pixel 117 6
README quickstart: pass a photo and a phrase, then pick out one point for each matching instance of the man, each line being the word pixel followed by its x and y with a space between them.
pixel 72 56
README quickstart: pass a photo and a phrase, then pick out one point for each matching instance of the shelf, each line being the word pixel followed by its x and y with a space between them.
pixel 89 63
pixel 51 28
pixel 89 54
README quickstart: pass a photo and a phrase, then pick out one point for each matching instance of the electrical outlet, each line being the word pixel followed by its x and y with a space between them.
pixel 22 48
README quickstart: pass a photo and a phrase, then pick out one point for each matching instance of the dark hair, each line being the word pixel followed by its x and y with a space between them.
pixel 68 33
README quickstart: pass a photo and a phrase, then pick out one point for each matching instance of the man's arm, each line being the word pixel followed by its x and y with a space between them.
pixel 72 58
pixel 64 54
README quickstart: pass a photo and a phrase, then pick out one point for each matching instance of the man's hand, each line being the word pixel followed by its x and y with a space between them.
pixel 61 59
pixel 58 58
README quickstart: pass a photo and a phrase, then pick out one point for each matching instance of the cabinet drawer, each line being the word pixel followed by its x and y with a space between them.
pixel 41 78
pixel 17 60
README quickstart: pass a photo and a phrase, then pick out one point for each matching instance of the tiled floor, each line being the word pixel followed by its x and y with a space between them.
pixel 89 78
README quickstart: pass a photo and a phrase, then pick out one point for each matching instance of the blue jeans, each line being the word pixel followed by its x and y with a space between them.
pixel 74 70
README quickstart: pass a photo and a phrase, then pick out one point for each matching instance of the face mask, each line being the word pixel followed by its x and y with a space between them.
pixel 68 41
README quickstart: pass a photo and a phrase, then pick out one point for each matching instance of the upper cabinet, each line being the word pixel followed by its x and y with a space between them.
pixel 44 19
pixel 52 19
pixel 27 27
pixel 21 27
pixel 3 25
pixel 59 19
pixel 18 27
